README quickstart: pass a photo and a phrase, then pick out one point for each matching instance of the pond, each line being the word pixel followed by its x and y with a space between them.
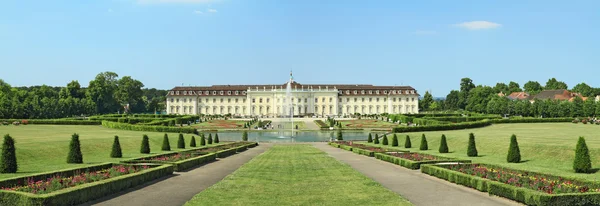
pixel 284 136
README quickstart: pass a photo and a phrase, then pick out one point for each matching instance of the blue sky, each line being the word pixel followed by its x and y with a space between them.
pixel 429 45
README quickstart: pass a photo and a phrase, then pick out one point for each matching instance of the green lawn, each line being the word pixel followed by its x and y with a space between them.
pixel 367 123
pixel 42 148
pixel 296 175
pixel 545 147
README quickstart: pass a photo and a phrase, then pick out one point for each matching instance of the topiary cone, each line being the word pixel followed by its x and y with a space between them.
pixel 370 138
pixel 202 140
pixel 181 142
pixel 514 154
pixel 145 148
pixel 339 135
pixel 472 149
pixel 245 136
pixel 443 145
pixel 423 145
pixel 210 140
pixel 376 140
pixel 385 140
pixel 116 148
pixel 216 138
pixel 193 141
pixel 75 155
pixel 407 143
pixel 582 162
pixel 394 141
pixel 9 156
pixel 166 146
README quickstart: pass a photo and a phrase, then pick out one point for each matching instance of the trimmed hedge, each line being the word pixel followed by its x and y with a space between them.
pixel 530 120
pixel 519 194
pixel 414 164
pixel 55 121
pixel 363 152
pixel 321 124
pixel 81 193
pixel 457 126
pixel 125 126
pixel 456 119
pixel 182 164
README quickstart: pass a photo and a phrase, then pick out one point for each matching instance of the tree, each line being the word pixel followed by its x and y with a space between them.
pixel 385 140
pixel 193 141
pixel 202 140
pixel 145 148
pixel 407 143
pixel 370 138
pixel 101 90
pixel 376 140
pixel 513 87
pixel 501 87
pixel 478 98
pixel 555 84
pixel 466 85
pixel 129 91
pixel 245 136
pixel 339 135
pixel 9 156
pixel 514 154
pixel 216 138
pixel 582 162
pixel 166 146
pixel 116 148
pixel 210 139
pixel 181 142
pixel 576 107
pixel 426 102
pixel 472 149
pixel 443 145
pixel 395 141
pixel 589 107
pixel 423 145
pixel 75 156
pixel 584 90
pixel 533 87
pixel 452 100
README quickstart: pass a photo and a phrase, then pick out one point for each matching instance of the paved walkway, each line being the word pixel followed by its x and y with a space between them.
pixel 418 188
pixel 182 186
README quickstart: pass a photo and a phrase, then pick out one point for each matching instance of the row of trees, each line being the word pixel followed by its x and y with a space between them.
pixel 105 94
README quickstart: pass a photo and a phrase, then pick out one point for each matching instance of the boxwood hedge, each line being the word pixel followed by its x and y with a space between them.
pixel 457 126
pixel 414 164
pixel 125 126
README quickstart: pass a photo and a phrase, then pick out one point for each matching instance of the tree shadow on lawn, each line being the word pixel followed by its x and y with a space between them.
pixel 139 187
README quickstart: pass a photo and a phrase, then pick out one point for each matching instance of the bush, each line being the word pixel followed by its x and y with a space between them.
pixel 75 155
pixel 584 121
pixel 423 145
pixel 443 145
pixel 137 127
pixel 145 148
pixel 216 138
pixel 9 157
pixel 202 140
pixel 210 139
pixel 395 141
pixel 376 140
pixel 457 126
pixel 193 141
pixel 514 155
pixel 472 149
pixel 116 149
pixel 166 146
pixel 384 140
pixel 575 121
pixel 339 135
pixel 370 138
pixel 582 163
pixel 407 143
pixel 245 136
pixel 181 142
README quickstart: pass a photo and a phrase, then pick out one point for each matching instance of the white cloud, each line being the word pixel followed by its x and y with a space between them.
pixel 175 1
pixel 478 25
pixel 212 10
pixel 425 32
pixel 198 12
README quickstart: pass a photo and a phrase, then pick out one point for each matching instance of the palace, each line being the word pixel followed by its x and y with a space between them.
pixel 303 100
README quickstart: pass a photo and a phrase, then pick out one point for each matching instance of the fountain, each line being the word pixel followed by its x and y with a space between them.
pixel 287 106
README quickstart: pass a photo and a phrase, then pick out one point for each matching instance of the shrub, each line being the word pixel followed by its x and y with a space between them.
pixel 193 142
pixel 384 140
pixel 407 143
pixel 395 141
pixel 423 145
pixel 116 148
pixel 582 163
pixel 216 138
pixel 202 140
pixel 370 138
pixel 9 157
pixel 472 149
pixel 166 146
pixel 145 148
pixel 376 140
pixel 584 121
pixel 181 142
pixel 245 136
pixel 75 155
pixel 339 135
pixel 210 139
pixel 457 126
pixel 514 155
pixel 443 145
pixel 575 121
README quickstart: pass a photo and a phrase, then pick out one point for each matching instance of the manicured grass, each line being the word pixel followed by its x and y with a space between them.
pixel 42 148
pixel 220 124
pixel 367 123
pixel 296 175
pixel 545 147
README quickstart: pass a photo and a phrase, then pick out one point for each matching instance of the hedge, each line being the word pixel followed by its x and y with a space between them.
pixel 346 147
pixel 457 126
pixel 182 164
pixel 333 144
pixel 227 152
pixel 531 120
pixel 125 126
pixel 363 152
pixel 55 121
pixel 464 119
pixel 519 194
pixel 81 193
pixel 414 164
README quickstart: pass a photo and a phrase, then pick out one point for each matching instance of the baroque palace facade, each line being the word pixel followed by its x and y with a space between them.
pixel 306 100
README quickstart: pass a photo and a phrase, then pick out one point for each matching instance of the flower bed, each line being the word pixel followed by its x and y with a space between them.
pixel 76 186
pixel 362 149
pixel 527 187
pixel 415 160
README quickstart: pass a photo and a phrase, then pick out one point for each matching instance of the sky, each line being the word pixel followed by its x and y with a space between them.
pixel 429 45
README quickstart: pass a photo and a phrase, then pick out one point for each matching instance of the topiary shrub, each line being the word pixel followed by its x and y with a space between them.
pixel 443 145
pixel 514 154
pixel 582 163
pixel 472 149
pixel 145 148
pixel 9 156
pixel 245 136
pixel 210 140
pixel 202 140
pixel 166 146
pixel 181 142
pixel 384 140
pixel 370 138
pixel 193 142
pixel 423 145
pixel 339 135
pixel 395 141
pixel 75 156
pixel 216 138
pixel 116 148
pixel 407 143
pixel 376 140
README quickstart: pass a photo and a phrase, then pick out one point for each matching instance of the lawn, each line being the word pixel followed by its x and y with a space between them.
pixel 545 147
pixel 220 124
pixel 296 175
pixel 367 123
pixel 42 148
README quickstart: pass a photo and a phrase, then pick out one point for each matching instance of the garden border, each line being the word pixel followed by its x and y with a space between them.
pixel 415 165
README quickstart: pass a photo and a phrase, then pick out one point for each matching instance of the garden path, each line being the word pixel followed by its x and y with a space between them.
pixel 177 189
pixel 418 188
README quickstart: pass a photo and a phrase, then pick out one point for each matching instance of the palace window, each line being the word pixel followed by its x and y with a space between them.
pixel 228 92
pixel 407 99
pixel 206 92
pixel 385 99
pixel 184 93
pixel 376 91
pixel 370 99
pixel 244 100
pixel 377 100
pixel 363 99
pixel 184 100
pixel 236 100
pixel 355 92
pixel 347 91
pixel 385 92
pixel 412 91
pixel 260 100
pixel 190 99
pixel 362 92
pixel 171 99
pixel 177 100
pixel 413 99
pixel 299 100
pixel 221 100
pixel 340 99
pixel 237 92
pixel 347 99
pixel 316 100
pixel 323 99
pixel 177 92
pixel 253 100
pixel 267 100
pixel 330 99
pixel 370 92
pixel 228 100
pixel 199 100
pixel 399 91
pixel 214 92
pixel 172 92
pixel 355 99
pixel 305 100
pixel 221 92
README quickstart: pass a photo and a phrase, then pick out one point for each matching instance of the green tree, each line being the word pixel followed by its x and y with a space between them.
pixel 245 136
pixel 576 107
pixel 466 85
pixel 145 148
pixel 116 148
pixel 514 154
pixel 384 140
pixel 9 156
pixel 202 140
pixel 370 138
pixel 210 139
pixel 376 140
pixel 582 163
pixel 407 143
pixel 101 90
pixel 501 87
pixel 181 142
pixel 589 107
pixel 426 102
pixel 513 87
pixel 166 146
pixel 533 87
pixel 555 84
pixel 584 90
pixel 129 91
pixel 423 145
pixel 472 149
pixel 478 98
pixel 443 145
pixel 452 100
pixel 216 138
pixel 193 141
pixel 75 156
pixel 394 141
